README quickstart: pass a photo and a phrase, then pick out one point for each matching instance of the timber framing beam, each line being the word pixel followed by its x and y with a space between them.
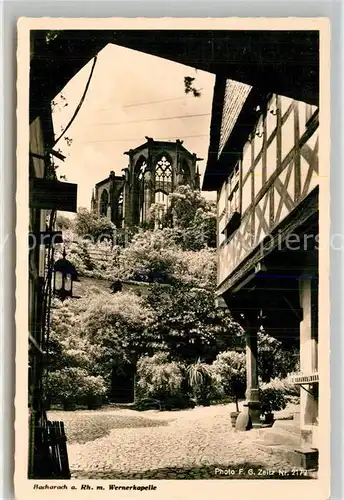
pixel 297 222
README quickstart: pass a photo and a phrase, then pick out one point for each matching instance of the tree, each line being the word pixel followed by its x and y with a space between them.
pixel 188 324
pixel 63 223
pixel 200 379
pixel 193 219
pixel 71 377
pixel 88 224
pixel 188 86
pixel 229 369
pixel 117 327
pixel 154 256
pixel 150 257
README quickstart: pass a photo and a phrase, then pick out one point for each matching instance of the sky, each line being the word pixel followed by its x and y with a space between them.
pixel 131 95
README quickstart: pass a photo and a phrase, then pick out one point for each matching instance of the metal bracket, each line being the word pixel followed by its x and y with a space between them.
pixel 304 388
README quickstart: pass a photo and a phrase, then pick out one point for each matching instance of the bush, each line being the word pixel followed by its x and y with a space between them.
pixel 229 370
pixel 161 379
pixel 74 386
pixel 201 382
pixel 291 392
pixel 272 398
pixel 89 224
pixel 275 359
pixel 285 386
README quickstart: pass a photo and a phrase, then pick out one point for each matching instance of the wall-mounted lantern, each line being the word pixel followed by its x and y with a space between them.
pixel 64 275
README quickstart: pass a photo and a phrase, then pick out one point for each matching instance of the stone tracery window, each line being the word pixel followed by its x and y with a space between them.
pixel 163 175
pixel 120 206
pixel 163 185
pixel 143 177
pixel 142 170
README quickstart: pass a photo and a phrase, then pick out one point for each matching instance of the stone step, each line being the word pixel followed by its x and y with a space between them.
pixel 290 426
pixel 284 432
pixel 301 458
pixel 278 438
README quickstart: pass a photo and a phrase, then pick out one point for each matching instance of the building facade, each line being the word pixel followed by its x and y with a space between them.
pixel 155 169
pixel 263 163
pixel 47 195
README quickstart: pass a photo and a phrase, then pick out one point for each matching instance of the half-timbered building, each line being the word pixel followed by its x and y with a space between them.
pixel 263 163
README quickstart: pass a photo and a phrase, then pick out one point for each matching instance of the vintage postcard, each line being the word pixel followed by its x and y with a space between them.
pixel 173 258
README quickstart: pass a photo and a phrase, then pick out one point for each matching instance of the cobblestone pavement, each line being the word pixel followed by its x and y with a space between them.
pixel 186 444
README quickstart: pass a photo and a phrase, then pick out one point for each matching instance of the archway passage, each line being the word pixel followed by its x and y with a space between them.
pixel 122 384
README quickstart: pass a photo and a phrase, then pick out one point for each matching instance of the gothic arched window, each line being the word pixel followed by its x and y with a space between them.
pixel 163 175
pixel 120 206
pixel 104 201
pixel 143 177
pixel 163 185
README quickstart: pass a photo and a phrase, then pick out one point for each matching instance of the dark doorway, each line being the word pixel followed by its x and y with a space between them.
pixel 122 386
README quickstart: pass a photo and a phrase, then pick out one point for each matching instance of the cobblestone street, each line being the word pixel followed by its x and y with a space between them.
pixel 188 444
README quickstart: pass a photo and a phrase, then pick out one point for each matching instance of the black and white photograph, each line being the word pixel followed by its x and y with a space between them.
pixel 171 180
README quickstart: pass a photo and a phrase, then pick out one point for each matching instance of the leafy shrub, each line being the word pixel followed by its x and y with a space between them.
pixel 150 257
pixel 291 392
pixel 201 382
pixel 229 370
pixel 72 386
pixel 285 386
pixel 90 224
pixel 116 325
pixel 188 323
pixel 275 360
pixel 272 398
pixel 193 219
pixel 161 379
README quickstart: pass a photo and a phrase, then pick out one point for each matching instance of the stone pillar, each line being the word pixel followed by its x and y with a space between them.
pixel 250 417
pixel 252 390
pixel 308 360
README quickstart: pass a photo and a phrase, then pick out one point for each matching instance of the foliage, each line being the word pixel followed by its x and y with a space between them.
pixel 290 391
pixel 94 260
pixel 193 219
pixel 229 370
pixel 150 257
pixel 200 379
pixel 63 223
pixel 188 86
pixel 72 377
pixel 196 268
pixel 162 379
pixel 73 385
pixel 171 326
pixel 153 256
pixel 189 325
pixel 51 35
pixel 117 326
pixel 272 398
pixel 93 226
pixel 274 359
